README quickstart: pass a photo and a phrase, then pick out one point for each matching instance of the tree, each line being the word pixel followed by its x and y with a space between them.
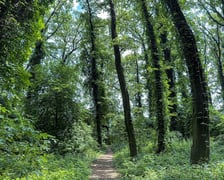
pixel 92 53
pixel 122 82
pixel 151 37
pixel 171 80
pixel 20 25
pixel 51 97
pixel 216 50
pixel 94 74
pixel 200 123
pixel 213 14
pixel 215 10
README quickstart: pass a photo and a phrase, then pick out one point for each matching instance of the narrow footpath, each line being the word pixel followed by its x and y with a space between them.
pixel 102 168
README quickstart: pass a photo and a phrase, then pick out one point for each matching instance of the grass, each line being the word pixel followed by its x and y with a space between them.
pixel 174 164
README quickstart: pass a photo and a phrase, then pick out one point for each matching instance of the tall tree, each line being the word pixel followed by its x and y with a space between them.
pixel 20 24
pixel 138 95
pixel 151 37
pixel 94 74
pixel 200 123
pixel 214 9
pixel 93 53
pixel 216 49
pixel 122 82
pixel 39 52
pixel 51 97
pixel 171 80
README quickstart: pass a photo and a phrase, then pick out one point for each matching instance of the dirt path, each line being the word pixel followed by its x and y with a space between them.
pixel 103 169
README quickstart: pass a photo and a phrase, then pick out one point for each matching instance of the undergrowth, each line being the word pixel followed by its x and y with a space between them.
pixel 56 167
pixel 25 153
pixel 174 164
pixel 65 167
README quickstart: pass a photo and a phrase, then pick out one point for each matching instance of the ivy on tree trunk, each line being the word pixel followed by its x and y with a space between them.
pixel 200 123
pixel 171 81
pixel 158 78
pixel 95 77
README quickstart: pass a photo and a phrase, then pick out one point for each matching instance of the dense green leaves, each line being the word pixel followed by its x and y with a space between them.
pixel 57 77
pixel 20 145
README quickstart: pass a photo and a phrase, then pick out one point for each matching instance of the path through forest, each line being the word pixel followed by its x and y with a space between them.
pixel 103 169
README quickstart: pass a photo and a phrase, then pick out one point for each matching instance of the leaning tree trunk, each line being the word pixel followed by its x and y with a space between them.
pixel 158 78
pixel 95 78
pixel 123 86
pixel 200 127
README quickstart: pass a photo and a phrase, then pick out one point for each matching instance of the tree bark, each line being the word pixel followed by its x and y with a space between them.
pixel 95 77
pixel 218 54
pixel 138 95
pixel 34 61
pixel 123 86
pixel 147 76
pixel 171 81
pixel 158 80
pixel 200 127
pixel 220 73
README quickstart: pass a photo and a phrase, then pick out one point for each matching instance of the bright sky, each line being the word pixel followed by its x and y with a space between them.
pixel 75 4
pixel 102 14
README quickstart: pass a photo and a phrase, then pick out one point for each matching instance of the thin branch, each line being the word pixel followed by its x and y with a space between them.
pixel 210 15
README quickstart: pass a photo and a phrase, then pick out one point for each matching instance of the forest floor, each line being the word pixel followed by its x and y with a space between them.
pixel 103 169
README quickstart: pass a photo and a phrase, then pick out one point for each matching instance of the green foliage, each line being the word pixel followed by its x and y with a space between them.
pixel 79 139
pixel 53 97
pixel 20 28
pixel 59 106
pixel 117 134
pixel 173 164
pixel 20 145
pixel 217 123
pixel 55 167
pixel 65 167
pixel 61 115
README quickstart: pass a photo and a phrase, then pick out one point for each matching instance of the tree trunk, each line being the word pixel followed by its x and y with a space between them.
pixel 222 1
pixel 200 126
pixel 171 81
pixel 123 86
pixel 218 55
pixel 95 77
pixel 184 116
pixel 138 95
pixel 158 80
pixel 147 76
pixel 220 74
pixel 35 60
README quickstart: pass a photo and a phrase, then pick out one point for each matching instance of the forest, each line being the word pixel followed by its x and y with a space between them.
pixel 141 78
